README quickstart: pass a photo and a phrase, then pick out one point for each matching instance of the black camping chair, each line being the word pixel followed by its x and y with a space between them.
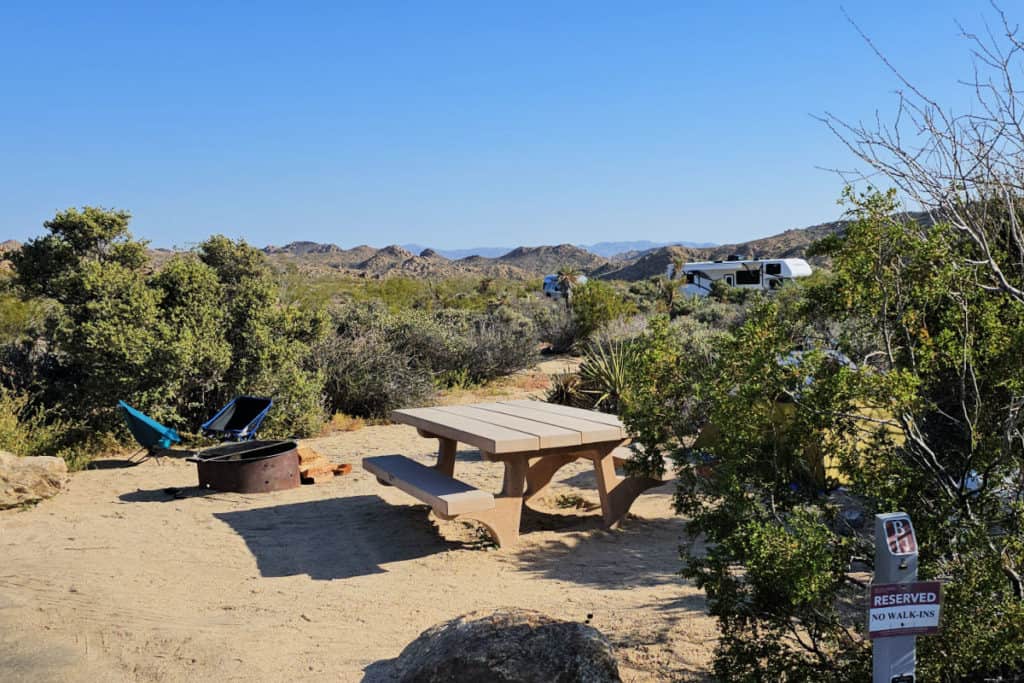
pixel 239 420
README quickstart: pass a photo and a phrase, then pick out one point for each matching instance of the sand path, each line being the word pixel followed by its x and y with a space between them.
pixel 117 580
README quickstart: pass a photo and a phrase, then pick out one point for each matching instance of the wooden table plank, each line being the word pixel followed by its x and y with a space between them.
pixel 489 438
pixel 580 413
pixel 590 431
pixel 550 436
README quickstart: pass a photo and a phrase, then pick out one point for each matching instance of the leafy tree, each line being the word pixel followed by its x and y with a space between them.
pixel 924 419
pixel 194 354
pixel 105 325
pixel 177 344
pixel 270 344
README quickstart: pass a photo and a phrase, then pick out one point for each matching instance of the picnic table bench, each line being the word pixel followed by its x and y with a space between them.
pixel 533 440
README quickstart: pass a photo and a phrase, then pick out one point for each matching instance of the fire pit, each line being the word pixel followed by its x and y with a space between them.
pixel 249 467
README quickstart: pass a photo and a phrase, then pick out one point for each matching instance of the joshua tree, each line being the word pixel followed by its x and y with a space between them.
pixel 568 278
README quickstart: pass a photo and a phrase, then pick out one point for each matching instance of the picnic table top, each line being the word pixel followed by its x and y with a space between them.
pixel 514 426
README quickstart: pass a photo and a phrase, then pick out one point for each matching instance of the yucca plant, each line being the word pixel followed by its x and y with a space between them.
pixel 605 373
pixel 567 390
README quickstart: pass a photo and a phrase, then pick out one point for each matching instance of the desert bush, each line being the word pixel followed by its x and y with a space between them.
pixel 620 330
pixel 664 404
pixel 367 377
pixel 24 429
pixel 437 343
pixel 557 328
pixel 715 313
pixel 453 346
pixel 648 296
pixel 418 352
pixel 503 342
pixel 596 303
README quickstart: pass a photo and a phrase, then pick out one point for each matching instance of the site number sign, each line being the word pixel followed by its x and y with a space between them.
pixel 900 535
pixel 904 609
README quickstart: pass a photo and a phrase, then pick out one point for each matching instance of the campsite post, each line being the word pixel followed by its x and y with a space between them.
pixel 899 606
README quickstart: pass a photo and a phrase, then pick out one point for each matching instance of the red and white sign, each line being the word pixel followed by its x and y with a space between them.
pixel 904 609
pixel 900 535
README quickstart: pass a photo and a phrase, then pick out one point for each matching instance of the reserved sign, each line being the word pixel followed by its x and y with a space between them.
pixel 904 609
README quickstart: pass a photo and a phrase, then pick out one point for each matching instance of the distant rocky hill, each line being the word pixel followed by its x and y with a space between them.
pixel 628 262
pixel 619 251
pixel 551 259
pixel 609 250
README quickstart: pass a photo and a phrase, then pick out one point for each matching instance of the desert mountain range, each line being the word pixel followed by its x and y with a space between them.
pixel 527 262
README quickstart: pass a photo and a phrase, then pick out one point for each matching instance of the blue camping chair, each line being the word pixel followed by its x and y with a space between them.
pixel 239 420
pixel 151 435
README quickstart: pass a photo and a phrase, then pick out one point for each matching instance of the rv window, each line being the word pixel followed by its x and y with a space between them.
pixel 773 268
pixel 690 277
pixel 748 277
pixel 728 280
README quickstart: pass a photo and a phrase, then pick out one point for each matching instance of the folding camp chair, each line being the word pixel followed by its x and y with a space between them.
pixel 239 420
pixel 151 435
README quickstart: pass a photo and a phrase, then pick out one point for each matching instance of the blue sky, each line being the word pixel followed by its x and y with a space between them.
pixel 450 124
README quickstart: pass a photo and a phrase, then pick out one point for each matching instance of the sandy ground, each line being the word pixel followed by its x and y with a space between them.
pixel 116 580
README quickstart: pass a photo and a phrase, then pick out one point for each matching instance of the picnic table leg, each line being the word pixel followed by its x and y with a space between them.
pixel 446 456
pixel 503 521
pixel 540 473
pixel 618 493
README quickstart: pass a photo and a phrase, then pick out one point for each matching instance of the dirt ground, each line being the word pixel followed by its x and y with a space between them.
pixel 116 580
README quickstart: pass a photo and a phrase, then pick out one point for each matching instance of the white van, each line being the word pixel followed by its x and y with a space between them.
pixel 763 274
pixel 551 289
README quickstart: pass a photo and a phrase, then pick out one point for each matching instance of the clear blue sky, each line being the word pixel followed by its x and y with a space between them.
pixel 449 124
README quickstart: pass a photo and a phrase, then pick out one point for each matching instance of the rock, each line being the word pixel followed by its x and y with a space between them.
pixel 508 646
pixel 30 479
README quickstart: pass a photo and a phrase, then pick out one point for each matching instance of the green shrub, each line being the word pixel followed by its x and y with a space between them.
pixel 26 430
pixel 23 430
pixel 597 303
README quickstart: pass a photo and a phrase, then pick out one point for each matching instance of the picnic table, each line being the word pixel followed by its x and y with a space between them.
pixel 532 439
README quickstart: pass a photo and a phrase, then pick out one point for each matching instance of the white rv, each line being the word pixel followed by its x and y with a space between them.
pixel 763 274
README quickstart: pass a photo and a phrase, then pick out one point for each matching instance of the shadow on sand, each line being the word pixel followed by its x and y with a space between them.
pixel 337 538
pixel 167 495
pixel 638 553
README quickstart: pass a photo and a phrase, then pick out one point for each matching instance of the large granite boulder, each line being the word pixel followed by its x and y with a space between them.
pixel 30 479
pixel 508 646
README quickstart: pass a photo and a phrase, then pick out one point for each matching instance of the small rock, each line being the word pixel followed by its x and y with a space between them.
pixel 30 479
pixel 508 646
